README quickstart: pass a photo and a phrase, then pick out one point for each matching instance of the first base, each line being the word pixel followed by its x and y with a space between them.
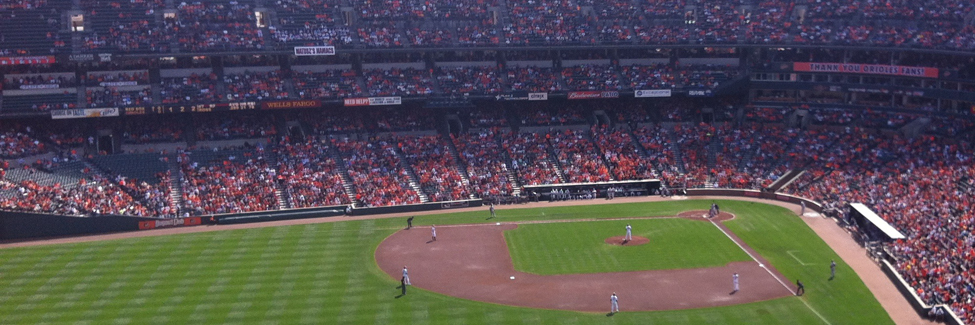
pixel 512 277
pixel 498 223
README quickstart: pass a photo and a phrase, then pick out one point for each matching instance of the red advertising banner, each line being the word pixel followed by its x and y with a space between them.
pixel 15 60
pixel 879 69
pixel 291 104
pixel 593 94
pixel 373 101
pixel 166 223
pixel 356 102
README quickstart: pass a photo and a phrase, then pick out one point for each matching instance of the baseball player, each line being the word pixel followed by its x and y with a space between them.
pixel 803 211
pixel 406 277
pixel 492 210
pixel 800 289
pixel 734 280
pixel 433 231
pixel 409 222
pixel 614 304
pixel 832 269
pixel 629 233
pixel 402 285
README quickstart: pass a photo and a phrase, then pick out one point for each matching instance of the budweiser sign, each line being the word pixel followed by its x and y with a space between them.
pixel 593 94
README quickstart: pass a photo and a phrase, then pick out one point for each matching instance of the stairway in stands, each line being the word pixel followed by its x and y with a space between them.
pixel 175 190
pixel 509 169
pixel 279 192
pixel 678 154
pixel 554 162
pixel 714 147
pixel 411 176
pixel 602 153
pixel 343 169
pixel 459 164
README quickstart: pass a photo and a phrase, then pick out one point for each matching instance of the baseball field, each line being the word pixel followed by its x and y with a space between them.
pixel 328 273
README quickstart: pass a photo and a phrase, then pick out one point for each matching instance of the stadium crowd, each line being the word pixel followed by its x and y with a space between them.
pixel 435 168
pixel 923 185
pixel 309 174
pixel 227 184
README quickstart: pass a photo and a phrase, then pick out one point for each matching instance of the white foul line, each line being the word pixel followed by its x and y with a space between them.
pixel 770 272
pixel 797 259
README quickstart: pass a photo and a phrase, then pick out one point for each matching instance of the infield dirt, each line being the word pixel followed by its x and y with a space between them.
pixel 473 262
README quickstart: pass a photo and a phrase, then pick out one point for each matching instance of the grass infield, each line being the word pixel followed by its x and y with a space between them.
pixel 327 274
pixel 579 247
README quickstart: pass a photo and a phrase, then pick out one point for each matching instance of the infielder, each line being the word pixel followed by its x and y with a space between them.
pixel 492 210
pixel 734 280
pixel 629 233
pixel 433 231
pixel 614 304
pixel 406 277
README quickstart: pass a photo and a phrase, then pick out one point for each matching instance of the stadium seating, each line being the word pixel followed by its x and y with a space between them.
pixel 431 158
pixel 376 172
pixel 309 174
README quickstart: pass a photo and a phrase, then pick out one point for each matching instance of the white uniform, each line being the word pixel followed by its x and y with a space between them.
pixel 734 279
pixel 406 277
pixel 492 210
pixel 615 304
pixel 433 231
pixel 629 233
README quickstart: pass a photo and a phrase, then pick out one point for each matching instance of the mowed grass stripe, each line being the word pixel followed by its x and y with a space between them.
pixel 572 248
pixel 326 274
pixel 837 296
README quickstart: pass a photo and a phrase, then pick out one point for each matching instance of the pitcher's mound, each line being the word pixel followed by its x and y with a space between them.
pixel 618 240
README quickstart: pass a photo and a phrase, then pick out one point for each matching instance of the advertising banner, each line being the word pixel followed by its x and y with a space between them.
pixel 84 112
pixel 593 94
pixel 286 104
pixel 537 96
pixel 647 93
pixel 15 60
pixel 878 69
pixel 166 223
pixel 118 83
pixel 41 86
pixel 700 93
pixel 314 50
pixel 373 101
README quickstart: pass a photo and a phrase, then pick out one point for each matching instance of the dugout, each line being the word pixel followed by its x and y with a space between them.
pixel 572 190
pixel 870 224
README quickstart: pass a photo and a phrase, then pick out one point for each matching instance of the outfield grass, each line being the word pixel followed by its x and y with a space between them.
pixel 579 247
pixel 327 274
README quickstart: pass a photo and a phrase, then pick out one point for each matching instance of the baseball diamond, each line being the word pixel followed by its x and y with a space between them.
pixel 472 262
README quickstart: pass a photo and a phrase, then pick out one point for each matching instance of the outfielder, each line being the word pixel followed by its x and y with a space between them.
pixel 832 269
pixel 629 233
pixel 406 277
pixel 614 304
pixel 433 231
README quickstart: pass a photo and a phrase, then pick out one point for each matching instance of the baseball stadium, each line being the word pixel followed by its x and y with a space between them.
pixel 487 162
